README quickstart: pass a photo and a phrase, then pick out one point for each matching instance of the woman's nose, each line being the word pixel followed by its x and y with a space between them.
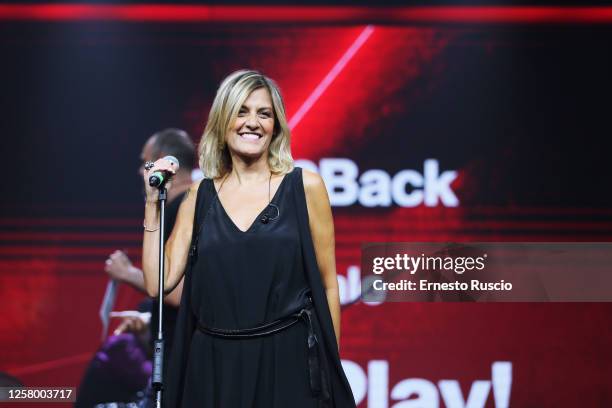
pixel 252 122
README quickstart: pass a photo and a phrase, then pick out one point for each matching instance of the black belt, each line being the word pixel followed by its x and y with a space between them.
pixel 318 383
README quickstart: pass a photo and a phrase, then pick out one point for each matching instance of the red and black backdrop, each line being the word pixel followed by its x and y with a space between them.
pixel 484 123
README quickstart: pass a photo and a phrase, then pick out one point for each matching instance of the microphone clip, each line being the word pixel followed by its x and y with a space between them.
pixel 266 217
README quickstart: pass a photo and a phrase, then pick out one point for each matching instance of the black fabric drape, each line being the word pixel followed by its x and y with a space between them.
pixel 341 395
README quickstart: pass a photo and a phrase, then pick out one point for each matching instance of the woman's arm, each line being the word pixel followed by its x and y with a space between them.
pixel 177 246
pixel 322 231
pixel 174 298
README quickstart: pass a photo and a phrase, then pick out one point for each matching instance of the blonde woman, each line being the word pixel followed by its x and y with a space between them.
pixel 259 323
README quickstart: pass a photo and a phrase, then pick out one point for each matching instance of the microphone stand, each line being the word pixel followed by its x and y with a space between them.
pixel 158 345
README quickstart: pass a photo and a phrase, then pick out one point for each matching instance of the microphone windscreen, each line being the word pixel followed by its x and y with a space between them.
pixel 173 160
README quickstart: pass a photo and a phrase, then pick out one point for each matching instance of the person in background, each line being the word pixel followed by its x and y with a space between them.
pixel 121 368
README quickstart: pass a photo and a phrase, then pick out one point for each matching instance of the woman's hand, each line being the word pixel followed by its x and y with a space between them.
pixel 159 165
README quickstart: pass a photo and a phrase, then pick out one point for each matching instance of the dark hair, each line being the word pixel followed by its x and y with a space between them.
pixel 177 143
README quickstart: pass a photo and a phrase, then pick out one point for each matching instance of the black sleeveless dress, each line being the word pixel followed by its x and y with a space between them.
pixel 243 279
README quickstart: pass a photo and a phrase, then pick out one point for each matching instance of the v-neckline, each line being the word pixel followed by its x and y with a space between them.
pixel 230 219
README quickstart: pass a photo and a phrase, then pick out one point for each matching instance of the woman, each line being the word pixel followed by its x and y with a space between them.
pixel 260 311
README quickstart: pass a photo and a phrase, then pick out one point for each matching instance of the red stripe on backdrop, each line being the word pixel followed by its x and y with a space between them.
pixel 71 222
pixel 306 14
pixel 51 365
pixel 416 212
pixel 376 77
pixel 370 223
pixel 56 266
pixel 446 223
pixel 367 219
pixel 39 251
pixel 331 75
pixel 68 236
pixel 452 224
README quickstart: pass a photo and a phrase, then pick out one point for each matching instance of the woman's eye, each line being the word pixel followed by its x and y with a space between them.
pixel 241 113
pixel 265 114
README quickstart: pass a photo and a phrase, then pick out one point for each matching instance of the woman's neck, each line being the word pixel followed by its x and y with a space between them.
pixel 250 171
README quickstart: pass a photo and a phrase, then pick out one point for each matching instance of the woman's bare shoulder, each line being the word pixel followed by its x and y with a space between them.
pixel 196 184
pixel 313 182
pixel 189 199
pixel 315 191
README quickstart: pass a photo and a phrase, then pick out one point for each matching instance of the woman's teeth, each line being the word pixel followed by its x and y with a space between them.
pixel 250 136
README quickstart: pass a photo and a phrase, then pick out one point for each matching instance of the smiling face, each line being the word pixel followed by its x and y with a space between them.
pixel 252 131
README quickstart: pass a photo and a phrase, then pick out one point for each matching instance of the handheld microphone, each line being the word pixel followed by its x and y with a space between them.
pixel 159 178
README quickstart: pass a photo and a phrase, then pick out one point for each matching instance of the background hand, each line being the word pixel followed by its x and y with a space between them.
pixel 133 322
pixel 118 266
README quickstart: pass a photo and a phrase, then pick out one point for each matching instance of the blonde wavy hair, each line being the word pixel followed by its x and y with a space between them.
pixel 214 157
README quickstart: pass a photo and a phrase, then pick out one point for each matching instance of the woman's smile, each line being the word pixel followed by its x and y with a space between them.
pixel 250 136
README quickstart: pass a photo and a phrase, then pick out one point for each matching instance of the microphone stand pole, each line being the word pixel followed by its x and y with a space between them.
pixel 158 345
